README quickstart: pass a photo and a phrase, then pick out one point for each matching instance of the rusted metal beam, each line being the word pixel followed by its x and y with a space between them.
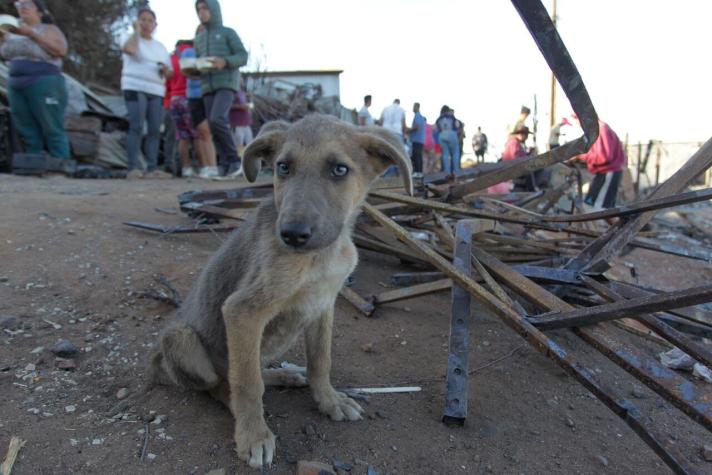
pixel 456 399
pixel 636 208
pixel 627 308
pixel 596 257
pixel 661 328
pixel 619 405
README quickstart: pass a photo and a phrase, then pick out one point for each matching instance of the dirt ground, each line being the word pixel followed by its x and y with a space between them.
pixel 69 269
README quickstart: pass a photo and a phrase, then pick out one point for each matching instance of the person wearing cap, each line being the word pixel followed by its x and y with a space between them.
pixel 36 89
pixel 516 148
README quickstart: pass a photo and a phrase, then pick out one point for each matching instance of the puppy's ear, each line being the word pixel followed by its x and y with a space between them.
pixel 264 147
pixel 385 149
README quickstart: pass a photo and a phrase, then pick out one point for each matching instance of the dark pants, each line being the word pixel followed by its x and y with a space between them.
pixel 416 156
pixel 217 108
pixel 604 189
pixel 38 115
pixel 149 108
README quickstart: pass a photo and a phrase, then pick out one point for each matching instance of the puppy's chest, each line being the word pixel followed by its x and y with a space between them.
pixel 319 284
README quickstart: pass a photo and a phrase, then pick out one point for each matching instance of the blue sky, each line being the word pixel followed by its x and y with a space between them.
pixel 645 63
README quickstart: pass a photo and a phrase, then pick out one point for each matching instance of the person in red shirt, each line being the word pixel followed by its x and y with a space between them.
pixel 606 159
pixel 185 130
pixel 516 148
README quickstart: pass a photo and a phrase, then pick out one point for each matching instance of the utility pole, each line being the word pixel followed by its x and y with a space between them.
pixel 552 111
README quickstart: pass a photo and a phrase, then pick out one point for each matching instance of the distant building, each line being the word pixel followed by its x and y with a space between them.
pixel 319 87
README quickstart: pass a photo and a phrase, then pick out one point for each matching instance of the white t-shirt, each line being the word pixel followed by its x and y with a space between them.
pixel 364 112
pixel 393 117
pixel 141 71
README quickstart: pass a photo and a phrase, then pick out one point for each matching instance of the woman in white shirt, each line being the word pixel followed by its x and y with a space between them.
pixel 146 66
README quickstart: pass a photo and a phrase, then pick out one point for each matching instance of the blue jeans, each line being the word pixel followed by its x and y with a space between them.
pixel 450 145
pixel 149 108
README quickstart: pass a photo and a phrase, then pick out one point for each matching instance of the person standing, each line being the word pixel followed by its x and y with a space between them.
pixel 555 134
pixel 480 145
pixel 364 115
pixel 606 159
pixel 417 140
pixel 203 141
pixel 393 119
pixel 36 89
pixel 241 120
pixel 219 85
pixel 143 81
pixel 449 141
pixel 522 119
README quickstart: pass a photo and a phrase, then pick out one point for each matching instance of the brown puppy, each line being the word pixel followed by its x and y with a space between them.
pixel 278 276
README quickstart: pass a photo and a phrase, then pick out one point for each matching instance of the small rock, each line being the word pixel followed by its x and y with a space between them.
pixel 603 460
pixel 367 348
pixel 65 364
pixel 73 442
pixel 64 348
pixel 8 322
pixel 150 456
pixel 30 367
pixel 339 465
pixel 70 408
pixel 37 350
pixel 97 441
pixel 637 393
pixel 4 279
pixel 707 452
pixel 309 429
pixel 394 448
pixel 570 422
pixel 313 468
pixel 122 393
pixel 290 457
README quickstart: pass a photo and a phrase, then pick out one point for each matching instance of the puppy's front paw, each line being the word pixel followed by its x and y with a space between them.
pixel 255 444
pixel 339 406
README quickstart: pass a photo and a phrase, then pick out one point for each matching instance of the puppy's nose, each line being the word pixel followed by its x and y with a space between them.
pixel 295 234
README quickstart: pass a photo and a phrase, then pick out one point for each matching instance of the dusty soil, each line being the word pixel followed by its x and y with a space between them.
pixel 71 270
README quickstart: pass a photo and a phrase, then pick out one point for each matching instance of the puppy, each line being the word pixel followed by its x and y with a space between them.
pixel 277 277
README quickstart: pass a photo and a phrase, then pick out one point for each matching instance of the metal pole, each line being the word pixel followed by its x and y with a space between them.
pixel 552 110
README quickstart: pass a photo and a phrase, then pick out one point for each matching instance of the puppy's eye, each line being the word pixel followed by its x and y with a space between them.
pixel 340 171
pixel 283 168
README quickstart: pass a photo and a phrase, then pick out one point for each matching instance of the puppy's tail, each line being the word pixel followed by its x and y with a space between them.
pixel 182 360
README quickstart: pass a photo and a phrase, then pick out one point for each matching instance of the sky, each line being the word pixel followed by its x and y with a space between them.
pixel 645 63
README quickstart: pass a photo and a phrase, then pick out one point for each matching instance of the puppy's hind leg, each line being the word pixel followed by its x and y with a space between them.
pixel 184 360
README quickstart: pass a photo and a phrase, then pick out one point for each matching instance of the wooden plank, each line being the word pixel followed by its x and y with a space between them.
pixel 412 292
pixel 361 304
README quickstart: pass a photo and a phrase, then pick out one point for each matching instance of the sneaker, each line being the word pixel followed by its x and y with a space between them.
pixel 134 174
pixel 417 175
pixel 209 172
pixel 187 172
pixel 157 174
pixel 234 170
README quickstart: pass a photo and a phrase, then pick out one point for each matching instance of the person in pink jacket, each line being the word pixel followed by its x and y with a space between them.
pixel 606 160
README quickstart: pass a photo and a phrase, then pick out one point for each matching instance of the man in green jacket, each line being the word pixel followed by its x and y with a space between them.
pixel 220 84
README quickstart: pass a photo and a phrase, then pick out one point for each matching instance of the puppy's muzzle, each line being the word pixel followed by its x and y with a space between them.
pixel 295 234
